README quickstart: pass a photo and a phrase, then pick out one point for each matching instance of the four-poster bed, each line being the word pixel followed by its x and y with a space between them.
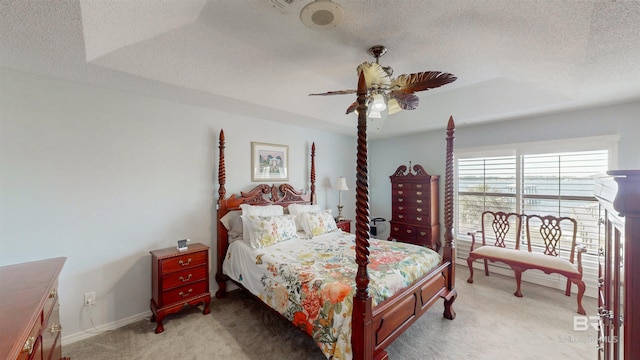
pixel 371 310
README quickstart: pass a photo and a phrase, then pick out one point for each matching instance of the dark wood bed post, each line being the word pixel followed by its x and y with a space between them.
pixel 222 193
pixel 449 250
pixel 313 173
pixel 362 317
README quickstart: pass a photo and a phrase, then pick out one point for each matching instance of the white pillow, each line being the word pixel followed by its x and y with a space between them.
pixel 247 210
pixel 298 209
pixel 269 230
pixel 318 223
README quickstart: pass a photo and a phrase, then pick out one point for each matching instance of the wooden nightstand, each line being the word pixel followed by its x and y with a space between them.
pixel 344 225
pixel 179 278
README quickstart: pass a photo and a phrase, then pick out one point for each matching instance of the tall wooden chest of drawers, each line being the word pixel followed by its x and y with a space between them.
pixel 415 215
pixel 29 310
pixel 179 278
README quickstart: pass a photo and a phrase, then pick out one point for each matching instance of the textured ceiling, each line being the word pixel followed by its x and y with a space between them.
pixel 252 57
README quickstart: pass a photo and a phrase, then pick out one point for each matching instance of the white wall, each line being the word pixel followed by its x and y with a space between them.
pixel 102 177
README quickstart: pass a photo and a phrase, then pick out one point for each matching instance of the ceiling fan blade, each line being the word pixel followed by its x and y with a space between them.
pixel 352 107
pixel 406 101
pixel 374 75
pixel 336 92
pixel 421 81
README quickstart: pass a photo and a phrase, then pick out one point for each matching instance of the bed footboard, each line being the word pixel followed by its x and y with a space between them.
pixel 392 317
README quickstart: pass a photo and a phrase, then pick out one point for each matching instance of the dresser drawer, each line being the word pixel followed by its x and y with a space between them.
pixel 184 277
pixel 184 262
pixel 412 217
pixel 402 232
pixel 400 200
pixel 423 235
pixel 50 303
pixel 31 345
pixel 51 348
pixel 184 293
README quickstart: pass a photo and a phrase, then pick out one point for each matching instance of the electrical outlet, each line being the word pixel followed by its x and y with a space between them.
pixel 90 298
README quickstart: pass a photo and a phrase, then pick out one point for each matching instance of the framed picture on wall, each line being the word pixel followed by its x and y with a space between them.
pixel 269 162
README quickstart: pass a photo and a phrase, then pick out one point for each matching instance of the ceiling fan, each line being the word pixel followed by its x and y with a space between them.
pixel 388 96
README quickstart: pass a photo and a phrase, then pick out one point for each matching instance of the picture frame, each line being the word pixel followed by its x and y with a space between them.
pixel 269 162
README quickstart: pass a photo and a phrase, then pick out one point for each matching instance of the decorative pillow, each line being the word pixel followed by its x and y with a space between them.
pixel 318 223
pixel 269 230
pixel 268 210
pixel 229 219
pixel 236 231
pixel 298 209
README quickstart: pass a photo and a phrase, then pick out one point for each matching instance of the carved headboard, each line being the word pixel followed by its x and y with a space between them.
pixel 263 194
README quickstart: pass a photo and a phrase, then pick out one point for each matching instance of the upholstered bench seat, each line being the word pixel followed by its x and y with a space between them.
pixel 526 259
pixel 549 233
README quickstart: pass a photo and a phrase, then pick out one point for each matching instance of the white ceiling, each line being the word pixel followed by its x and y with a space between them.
pixel 512 58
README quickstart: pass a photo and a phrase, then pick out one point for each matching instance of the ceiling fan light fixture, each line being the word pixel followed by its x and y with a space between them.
pixel 379 103
pixel 322 14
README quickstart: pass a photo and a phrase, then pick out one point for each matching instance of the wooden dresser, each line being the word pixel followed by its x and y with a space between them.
pixel 179 278
pixel 414 207
pixel 619 260
pixel 29 310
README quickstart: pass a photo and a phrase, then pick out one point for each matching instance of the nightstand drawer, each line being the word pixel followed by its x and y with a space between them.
pixel 184 262
pixel 344 225
pixel 183 277
pixel 184 293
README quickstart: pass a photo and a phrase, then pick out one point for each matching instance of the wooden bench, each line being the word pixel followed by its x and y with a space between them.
pixel 547 238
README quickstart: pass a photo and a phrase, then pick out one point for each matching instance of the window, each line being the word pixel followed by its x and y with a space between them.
pixel 554 178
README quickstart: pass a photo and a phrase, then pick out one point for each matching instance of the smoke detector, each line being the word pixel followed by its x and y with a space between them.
pixel 322 14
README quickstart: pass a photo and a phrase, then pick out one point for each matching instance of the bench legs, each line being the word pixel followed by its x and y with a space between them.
pixel 518 272
pixel 470 261
pixel 518 275
pixel 581 288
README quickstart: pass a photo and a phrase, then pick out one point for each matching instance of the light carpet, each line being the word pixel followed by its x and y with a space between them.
pixel 491 323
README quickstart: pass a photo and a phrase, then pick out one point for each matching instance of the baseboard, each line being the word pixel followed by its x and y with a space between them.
pixel 553 281
pixel 70 339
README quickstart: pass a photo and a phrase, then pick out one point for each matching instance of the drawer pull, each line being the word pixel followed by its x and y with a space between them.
pixel 53 293
pixel 400 185
pixel 185 295
pixel 400 200
pixel 409 231
pixel 400 192
pixel 28 345
pixel 419 218
pixel 182 263
pixel 419 201
pixel 419 193
pixel 55 328
pixel 422 233
pixel 400 216
pixel 185 280
pixel 419 186
pixel 400 207
pixel 419 209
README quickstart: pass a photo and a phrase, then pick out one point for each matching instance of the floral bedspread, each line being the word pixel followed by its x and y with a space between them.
pixel 312 282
